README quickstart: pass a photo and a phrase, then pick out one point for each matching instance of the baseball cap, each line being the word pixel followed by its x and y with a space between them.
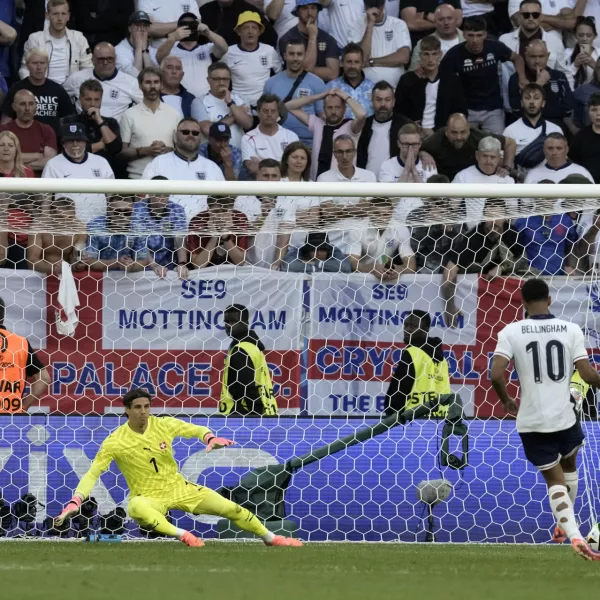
pixel 306 3
pixel 139 16
pixel 219 131
pixel 73 131
pixel 249 16
pixel 187 15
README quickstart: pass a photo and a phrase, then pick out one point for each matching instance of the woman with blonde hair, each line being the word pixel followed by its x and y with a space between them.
pixel 11 157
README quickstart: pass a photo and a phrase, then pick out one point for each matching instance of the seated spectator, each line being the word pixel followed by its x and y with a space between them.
pixel 186 164
pixel 582 96
pixel 453 147
pixel 559 98
pixel 164 247
pixel 447 21
pixel 557 19
pixel 585 149
pixel 556 165
pixel 109 248
pixel 77 163
pixel 317 256
pixel 196 46
pixel 294 82
pixel 295 163
pixel 429 98
pixel 353 80
pixel 172 92
pixel 134 52
pixel 47 251
pixel 38 141
pixel 269 139
pixel 406 167
pixel 120 90
pixel 334 125
pixel 251 62
pixel 220 104
pixel 69 51
pixel 147 128
pixel 419 16
pixel 52 102
pixel 221 152
pixel 165 16
pixel 581 59
pixel 257 208
pixel 104 21
pixel 322 52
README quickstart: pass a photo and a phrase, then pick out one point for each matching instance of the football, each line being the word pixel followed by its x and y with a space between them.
pixel 593 538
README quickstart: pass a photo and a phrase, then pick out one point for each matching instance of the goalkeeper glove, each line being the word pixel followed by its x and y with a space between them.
pixel 214 443
pixel 70 510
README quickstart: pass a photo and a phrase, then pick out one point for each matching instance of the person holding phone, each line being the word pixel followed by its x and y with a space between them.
pixel 582 58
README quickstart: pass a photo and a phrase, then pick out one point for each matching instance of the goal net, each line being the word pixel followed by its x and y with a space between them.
pixel 124 286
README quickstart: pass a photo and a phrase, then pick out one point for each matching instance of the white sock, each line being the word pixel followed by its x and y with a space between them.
pixel 268 537
pixel 180 533
pixel 572 483
pixel 562 509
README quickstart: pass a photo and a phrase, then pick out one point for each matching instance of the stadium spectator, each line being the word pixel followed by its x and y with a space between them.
pixel 558 16
pixel 109 247
pixel 385 41
pixel 327 130
pixel 295 165
pixel 221 152
pixel 147 128
pixel 353 80
pixel 256 208
pixel 164 247
pixel 559 98
pixel 38 141
pixel 585 148
pixel 134 52
pixel 101 20
pixel 172 92
pixel 220 104
pixel 341 17
pixel 77 163
pixel 430 97
pixel 407 166
pixel 582 97
pixel 165 15
pixel 251 62
pixel 322 51
pixel 8 35
pixel 446 30
pixel 185 163
pixel 581 59
pixel 453 147
pixel 269 139
pixel 197 47
pixel 419 16
pixel 295 82
pixel 317 256
pixel 120 90
pixel 279 12
pixel 476 62
pixel 52 102
pixel 556 165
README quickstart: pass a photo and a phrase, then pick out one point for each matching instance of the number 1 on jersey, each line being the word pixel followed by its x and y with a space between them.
pixel 153 461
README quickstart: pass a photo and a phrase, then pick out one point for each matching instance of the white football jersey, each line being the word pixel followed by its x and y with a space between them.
pixel 544 350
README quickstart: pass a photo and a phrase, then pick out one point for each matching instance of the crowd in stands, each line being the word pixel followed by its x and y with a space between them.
pixel 301 90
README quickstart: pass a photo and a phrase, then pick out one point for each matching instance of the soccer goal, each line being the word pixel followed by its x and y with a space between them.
pixel 122 284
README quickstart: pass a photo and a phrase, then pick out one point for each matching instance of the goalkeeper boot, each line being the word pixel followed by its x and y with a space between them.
pixel 189 539
pixel 582 549
pixel 559 536
pixel 281 540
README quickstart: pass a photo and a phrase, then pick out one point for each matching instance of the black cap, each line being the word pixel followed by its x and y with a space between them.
pixel 187 15
pixel 219 131
pixel 73 131
pixel 139 16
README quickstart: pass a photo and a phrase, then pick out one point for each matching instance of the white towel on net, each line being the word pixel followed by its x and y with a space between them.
pixel 68 298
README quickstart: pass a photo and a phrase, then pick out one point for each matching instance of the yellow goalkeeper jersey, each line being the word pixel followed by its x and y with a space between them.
pixel 145 459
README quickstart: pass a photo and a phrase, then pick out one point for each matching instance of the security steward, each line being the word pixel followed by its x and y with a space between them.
pixel 247 387
pixel 422 371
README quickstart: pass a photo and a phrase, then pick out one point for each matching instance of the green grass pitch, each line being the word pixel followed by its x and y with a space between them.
pixel 236 571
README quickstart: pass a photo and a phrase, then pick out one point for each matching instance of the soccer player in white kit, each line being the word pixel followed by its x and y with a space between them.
pixel 544 350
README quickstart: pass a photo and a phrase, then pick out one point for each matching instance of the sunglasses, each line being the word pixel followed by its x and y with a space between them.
pixel 531 15
pixel 194 132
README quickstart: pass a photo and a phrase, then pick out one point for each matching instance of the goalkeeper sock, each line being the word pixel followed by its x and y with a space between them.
pixel 572 483
pixel 562 508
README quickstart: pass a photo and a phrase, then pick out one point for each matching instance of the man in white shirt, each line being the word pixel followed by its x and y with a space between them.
pixel 120 90
pixel 165 14
pixel 147 128
pixel 342 16
pixel 251 62
pixel 76 163
pixel 269 139
pixel 184 163
pixel 134 52
pixel 385 41
pixel 68 50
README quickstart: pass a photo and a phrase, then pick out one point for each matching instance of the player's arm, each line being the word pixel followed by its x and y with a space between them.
pixel 179 428
pixel 499 365
pixel 587 372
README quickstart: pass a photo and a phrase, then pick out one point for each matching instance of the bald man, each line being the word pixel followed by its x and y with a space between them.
pixel 38 140
pixel 453 147
pixel 420 16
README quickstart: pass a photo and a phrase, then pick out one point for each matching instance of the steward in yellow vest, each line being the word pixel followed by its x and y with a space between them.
pixel 422 371
pixel 247 388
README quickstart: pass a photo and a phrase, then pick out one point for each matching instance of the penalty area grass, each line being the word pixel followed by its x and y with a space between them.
pixel 244 571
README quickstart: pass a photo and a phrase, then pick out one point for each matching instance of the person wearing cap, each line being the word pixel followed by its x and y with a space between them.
pixel 197 47
pixel 165 14
pixel 221 152
pixel 134 52
pixel 251 62
pixel 76 162
pixel 69 51
pixel 322 50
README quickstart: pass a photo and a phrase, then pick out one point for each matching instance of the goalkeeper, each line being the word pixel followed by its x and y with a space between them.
pixel 142 450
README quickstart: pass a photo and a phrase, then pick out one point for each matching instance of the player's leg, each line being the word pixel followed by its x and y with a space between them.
pixel 569 468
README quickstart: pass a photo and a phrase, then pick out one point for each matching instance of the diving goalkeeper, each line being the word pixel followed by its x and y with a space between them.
pixel 142 450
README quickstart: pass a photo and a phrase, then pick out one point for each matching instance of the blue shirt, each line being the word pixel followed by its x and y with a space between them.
pixel 161 242
pixel 7 15
pixel 546 240
pixel 362 93
pixel 281 84
pixel 236 158
pixel 103 246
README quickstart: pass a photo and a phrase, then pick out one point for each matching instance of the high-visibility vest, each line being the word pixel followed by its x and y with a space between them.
pixel 14 355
